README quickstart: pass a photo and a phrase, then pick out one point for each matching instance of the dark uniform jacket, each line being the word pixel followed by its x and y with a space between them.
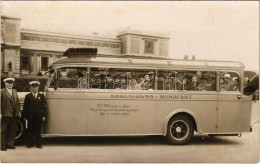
pixel 34 107
pixel 10 105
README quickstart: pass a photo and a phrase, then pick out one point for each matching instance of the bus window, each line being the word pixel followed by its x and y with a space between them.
pixel 97 78
pixel 72 77
pixel 206 80
pixel 186 80
pixel 229 81
pixel 125 79
pixel 166 80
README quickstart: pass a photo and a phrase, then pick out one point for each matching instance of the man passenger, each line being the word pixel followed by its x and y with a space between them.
pixel 226 86
pixel 109 82
pixel 194 85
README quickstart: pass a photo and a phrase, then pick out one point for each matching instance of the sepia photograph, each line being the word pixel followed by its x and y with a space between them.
pixel 129 82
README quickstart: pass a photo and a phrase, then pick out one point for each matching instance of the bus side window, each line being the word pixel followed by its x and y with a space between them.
pixel 186 80
pixel 229 81
pixel 71 78
pixel 129 79
pixel 145 80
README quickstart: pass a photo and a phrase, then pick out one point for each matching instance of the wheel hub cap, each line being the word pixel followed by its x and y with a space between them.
pixel 178 129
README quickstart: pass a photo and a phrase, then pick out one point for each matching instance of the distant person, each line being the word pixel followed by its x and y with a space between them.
pixel 10 110
pixel 35 113
pixel 10 66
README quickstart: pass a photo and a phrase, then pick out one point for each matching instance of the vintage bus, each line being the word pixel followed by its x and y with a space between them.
pixel 98 95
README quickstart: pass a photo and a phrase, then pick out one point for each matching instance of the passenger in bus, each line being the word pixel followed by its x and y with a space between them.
pixel 96 82
pixel 132 83
pixel 119 82
pixel 160 82
pixel 146 83
pixel 194 83
pixel 226 86
pixel 187 81
pixel 179 82
pixel 109 82
pixel 140 82
pixel 152 81
pixel 143 82
pixel 221 82
pixel 235 84
pixel 79 74
pixel 167 83
pixel 246 81
pixel 203 84
pixel 211 86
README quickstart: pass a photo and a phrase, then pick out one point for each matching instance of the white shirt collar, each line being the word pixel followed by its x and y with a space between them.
pixel 10 91
pixel 36 94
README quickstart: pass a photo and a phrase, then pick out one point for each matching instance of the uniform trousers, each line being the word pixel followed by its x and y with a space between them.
pixel 8 131
pixel 34 131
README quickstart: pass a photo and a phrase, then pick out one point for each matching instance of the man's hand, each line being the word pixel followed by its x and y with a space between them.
pixel 43 119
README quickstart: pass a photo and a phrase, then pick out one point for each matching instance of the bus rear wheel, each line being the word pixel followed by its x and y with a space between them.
pixel 180 130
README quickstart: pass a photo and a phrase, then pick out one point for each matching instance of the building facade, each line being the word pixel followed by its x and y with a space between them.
pixel 27 52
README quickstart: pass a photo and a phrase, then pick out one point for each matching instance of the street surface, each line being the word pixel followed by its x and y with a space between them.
pixel 202 149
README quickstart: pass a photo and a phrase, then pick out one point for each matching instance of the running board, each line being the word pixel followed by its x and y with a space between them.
pixel 239 135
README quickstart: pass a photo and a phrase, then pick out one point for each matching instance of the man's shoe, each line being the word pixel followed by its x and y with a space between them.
pixel 39 146
pixel 10 147
pixel 29 146
pixel 3 149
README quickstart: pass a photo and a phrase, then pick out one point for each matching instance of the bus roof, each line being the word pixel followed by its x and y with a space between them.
pixel 155 62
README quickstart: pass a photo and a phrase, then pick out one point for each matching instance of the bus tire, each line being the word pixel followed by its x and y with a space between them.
pixel 20 131
pixel 180 130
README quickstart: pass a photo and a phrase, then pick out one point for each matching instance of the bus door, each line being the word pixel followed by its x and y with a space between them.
pixel 229 103
pixel 66 102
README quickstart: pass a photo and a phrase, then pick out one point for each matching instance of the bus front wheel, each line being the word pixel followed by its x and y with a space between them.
pixel 20 132
pixel 180 130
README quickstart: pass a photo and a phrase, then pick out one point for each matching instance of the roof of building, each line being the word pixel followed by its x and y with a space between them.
pixel 67 35
pixel 143 33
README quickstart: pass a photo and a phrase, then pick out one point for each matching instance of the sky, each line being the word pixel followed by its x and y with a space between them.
pixel 210 30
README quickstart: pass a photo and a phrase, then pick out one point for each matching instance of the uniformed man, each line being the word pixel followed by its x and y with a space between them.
pixel 34 113
pixel 10 110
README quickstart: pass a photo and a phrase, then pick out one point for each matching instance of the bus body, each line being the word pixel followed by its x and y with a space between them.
pixel 124 96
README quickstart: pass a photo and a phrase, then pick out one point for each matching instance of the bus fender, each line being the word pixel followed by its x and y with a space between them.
pixel 176 112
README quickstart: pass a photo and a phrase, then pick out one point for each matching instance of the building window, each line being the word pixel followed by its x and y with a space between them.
pixel 149 46
pixel 44 64
pixel 24 62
